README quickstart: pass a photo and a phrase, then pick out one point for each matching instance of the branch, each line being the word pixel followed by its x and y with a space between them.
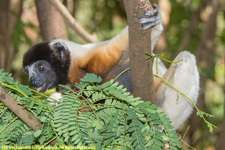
pixel 139 44
pixel 22 113
pixel 72 22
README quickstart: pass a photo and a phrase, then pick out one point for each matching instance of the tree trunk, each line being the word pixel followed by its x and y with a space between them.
pixel 4 9
pixel 8 21
pixel 139 43
pixel 51 23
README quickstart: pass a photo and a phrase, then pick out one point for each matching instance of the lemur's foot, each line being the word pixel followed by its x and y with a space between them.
pixel 153 18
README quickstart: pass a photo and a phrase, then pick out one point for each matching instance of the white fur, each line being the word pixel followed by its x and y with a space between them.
pixel 155 33
pixel 76 50
pixel 56 96
pixel 184 77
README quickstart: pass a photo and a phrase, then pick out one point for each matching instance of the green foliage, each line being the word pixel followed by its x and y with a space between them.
pixel 13 131
pixel 117 120
pixel 104 116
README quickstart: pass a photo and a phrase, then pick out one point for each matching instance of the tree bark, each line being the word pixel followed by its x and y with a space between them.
pixel 139 43
pixel 51 23
pixel 4 9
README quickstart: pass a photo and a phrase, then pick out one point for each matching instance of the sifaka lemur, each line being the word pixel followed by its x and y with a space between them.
pixel 65 62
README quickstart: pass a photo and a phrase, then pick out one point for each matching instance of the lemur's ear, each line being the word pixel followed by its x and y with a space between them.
pixel 60 50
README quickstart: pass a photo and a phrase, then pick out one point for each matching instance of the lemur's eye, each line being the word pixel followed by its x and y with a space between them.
pixel 41 67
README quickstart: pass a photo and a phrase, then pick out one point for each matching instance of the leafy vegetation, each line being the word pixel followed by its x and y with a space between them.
pixel 13 130
pixel 104 116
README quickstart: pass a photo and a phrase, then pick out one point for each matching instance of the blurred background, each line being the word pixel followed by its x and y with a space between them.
pixel 194 25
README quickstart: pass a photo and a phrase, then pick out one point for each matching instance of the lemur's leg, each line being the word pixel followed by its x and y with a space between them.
pixel 185 77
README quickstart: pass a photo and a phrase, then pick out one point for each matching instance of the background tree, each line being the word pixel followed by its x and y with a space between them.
pixel 51 22
pixel 10 12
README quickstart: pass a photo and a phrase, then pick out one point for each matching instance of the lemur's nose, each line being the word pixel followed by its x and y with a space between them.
pixel 35 82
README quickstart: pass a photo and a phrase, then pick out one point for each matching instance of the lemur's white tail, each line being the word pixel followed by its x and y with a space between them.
pixel 185 77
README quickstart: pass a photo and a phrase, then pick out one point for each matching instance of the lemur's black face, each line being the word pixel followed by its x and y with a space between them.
pixel 47 65
pixel 41 75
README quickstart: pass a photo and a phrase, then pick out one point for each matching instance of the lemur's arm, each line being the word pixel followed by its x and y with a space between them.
pixel 106 54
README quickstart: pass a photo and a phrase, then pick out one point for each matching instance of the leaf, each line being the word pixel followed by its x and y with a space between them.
pixel 117 94
pixel 39 109
pixel 25 89
pixel 37 133
pixel 108 141
pixel 200 114
pixel 91 78
pixel 42 118
pixel 9 79
pixel 100 87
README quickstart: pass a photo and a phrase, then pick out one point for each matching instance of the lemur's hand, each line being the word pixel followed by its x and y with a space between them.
pixel 153 18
